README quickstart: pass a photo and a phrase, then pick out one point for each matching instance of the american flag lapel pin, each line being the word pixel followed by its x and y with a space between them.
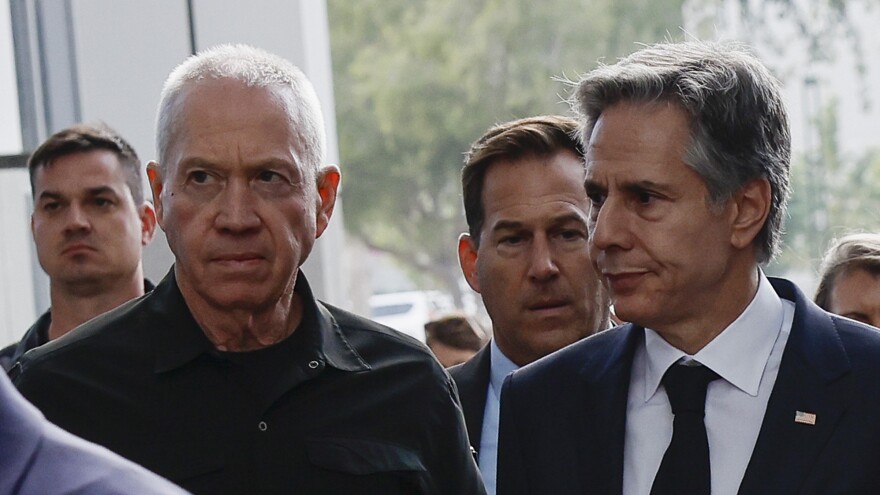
pixel 804 418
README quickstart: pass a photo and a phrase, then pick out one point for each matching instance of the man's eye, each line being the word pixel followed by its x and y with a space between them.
pixel 199 176
pixel 570 235
pixel 510 240
pixel 596 198
pixel 53 206
pixel 645 197
pixel 268 176
pixel 103 202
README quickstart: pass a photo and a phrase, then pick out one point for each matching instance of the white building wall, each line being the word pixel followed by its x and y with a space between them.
pixel 785 51
pixel 17 266
pixel 10 129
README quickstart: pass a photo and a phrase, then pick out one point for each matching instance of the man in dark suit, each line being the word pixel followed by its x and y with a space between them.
pixel 526 254
pixel 726 381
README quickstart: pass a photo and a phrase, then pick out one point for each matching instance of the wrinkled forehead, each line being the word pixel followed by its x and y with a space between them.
pixel 210 107
pixel 205 101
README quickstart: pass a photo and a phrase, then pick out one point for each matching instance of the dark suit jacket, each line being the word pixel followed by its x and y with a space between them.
pixel 563 418
pixel 472 380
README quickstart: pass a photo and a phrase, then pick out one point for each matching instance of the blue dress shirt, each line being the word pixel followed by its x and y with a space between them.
pixel 500 367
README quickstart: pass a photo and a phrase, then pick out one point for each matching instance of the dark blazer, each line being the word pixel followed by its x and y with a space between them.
pixel 472 380
pixel 563 418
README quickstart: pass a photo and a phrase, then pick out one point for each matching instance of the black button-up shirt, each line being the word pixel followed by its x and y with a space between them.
pixel 342 406
pixel 36 335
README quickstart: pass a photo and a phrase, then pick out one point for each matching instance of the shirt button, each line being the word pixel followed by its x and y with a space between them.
pixel 314 364
pixel 262 426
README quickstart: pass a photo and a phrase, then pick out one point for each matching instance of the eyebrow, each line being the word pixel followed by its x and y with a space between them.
pixel 97 191
pixel 507 225
pixel 268 162
pixel 554 221
pixel 195 162
pixel 569 217
pixel 630 186
pixel 92 191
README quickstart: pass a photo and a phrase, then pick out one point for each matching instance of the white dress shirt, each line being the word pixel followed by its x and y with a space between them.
pixel 746 355
pixel 500 367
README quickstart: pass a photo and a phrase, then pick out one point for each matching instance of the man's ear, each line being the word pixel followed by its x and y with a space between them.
pixel 467 258
pixel 329 178
pixel 751 208
pixel 154 174
pixel 148 222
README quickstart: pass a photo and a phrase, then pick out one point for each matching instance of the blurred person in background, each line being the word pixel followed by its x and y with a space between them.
pixel 526 254
pixel 90 224
pixel 849 279
pixel 454 339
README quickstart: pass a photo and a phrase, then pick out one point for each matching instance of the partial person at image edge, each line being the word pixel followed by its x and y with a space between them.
pixel 41 459
pixel 849 279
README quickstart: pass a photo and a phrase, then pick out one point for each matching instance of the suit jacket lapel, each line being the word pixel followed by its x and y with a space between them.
pixel 472 380
pixel 814 378
pixel 604 423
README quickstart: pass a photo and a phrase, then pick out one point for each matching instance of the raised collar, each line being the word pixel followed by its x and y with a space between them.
pixel 179 339
pixel 738 354
pixel 500 367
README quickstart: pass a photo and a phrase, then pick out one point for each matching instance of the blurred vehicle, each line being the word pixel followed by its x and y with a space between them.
pixel 409 311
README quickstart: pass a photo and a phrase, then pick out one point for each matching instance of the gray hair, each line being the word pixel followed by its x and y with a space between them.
pixel 739 129
pixel 851 252
pixel 255 68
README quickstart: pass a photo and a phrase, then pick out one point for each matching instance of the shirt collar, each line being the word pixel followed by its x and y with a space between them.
pixel 500 367
pixel 334 347
pixel 738 354
pixel 181 340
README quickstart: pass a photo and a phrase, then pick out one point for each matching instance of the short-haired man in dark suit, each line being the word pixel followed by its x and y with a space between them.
pixel 726 381
pixel 526 254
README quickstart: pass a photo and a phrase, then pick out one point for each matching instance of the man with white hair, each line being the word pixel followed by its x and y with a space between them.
pixel 231 377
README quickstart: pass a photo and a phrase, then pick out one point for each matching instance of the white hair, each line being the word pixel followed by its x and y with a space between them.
pixel 254 68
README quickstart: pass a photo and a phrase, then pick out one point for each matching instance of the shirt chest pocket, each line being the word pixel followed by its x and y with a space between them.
pixel 344 464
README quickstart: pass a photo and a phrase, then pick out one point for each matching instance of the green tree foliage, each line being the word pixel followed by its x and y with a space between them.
pixel 416 81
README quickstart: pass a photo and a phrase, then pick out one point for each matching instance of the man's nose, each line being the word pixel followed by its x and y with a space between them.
pixel 77 219
pixel 542 265
pixel 608 226
pixel 236 208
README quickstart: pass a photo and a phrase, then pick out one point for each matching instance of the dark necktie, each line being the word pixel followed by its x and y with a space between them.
pixel 685 466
